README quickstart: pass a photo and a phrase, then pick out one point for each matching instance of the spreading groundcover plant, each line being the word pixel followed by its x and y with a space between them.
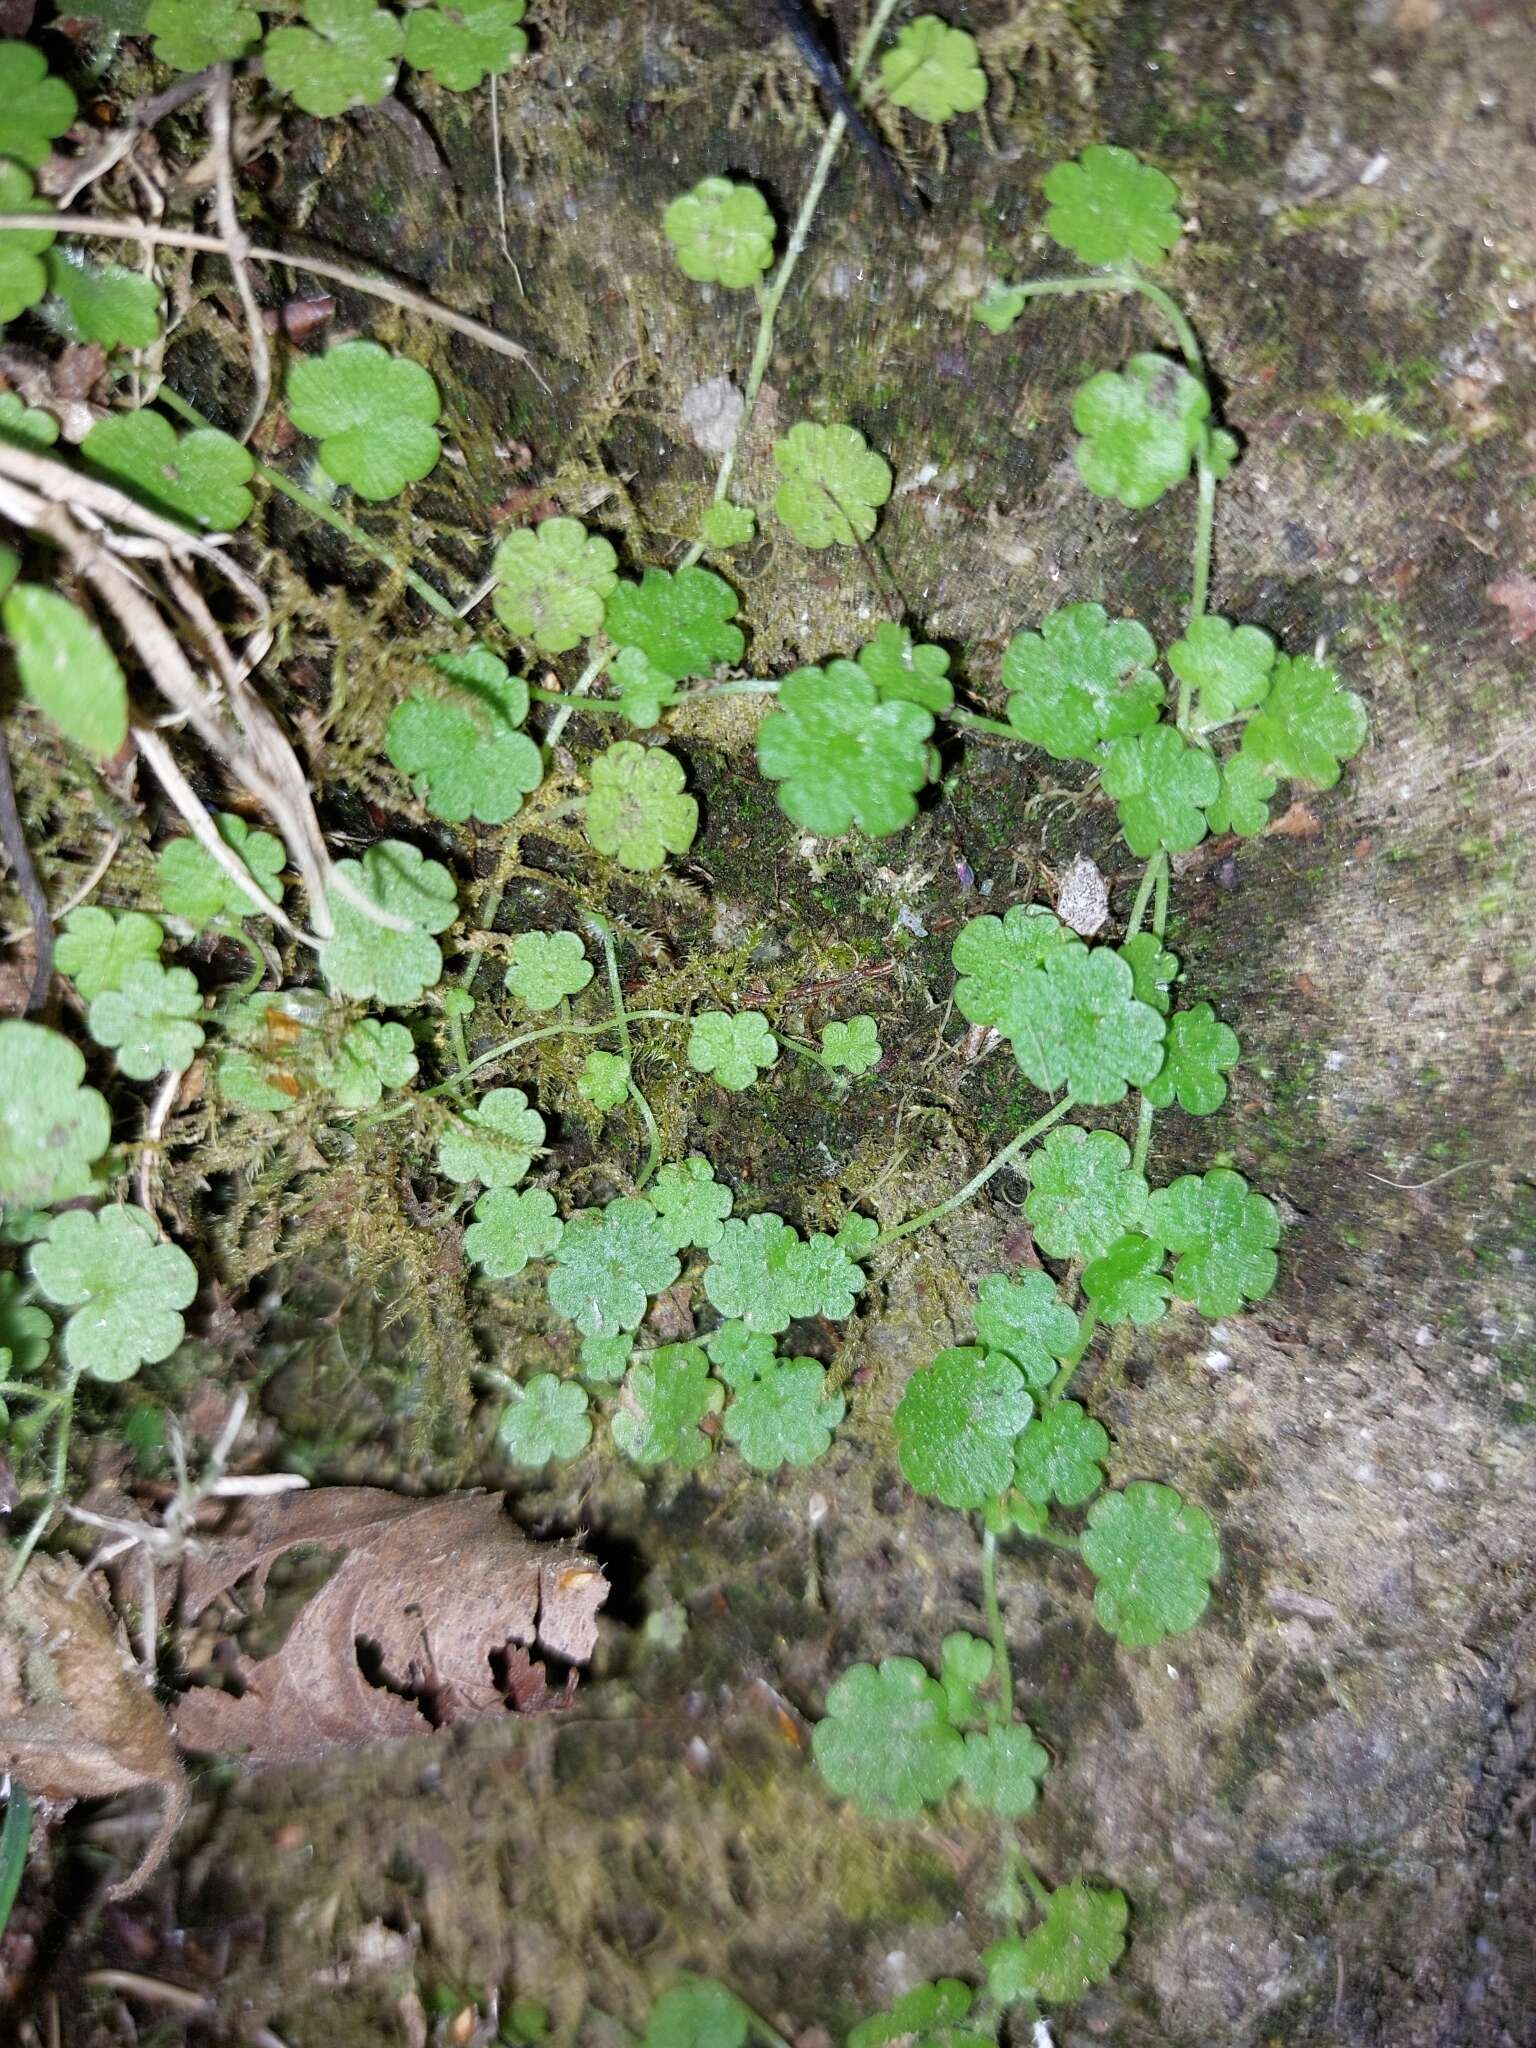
pixel 365 1004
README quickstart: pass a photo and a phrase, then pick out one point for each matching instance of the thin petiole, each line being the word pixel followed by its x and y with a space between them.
pixel 994 1165
pixel 992 1607
pixel 1144 894
pixel 1074 1357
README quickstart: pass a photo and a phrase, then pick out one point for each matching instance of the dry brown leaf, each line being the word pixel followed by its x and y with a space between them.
pixel 1516 594
pixel 75 1719
pixel 1299 822
pixel 442 1595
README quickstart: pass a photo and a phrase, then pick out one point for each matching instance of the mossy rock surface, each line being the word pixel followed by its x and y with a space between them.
pixel 1314 1799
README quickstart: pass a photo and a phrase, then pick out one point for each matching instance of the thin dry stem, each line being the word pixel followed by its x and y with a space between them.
pixel 215 245
pixel 237 245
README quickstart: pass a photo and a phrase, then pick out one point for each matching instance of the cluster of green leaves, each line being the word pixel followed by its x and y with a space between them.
pixel 895 1740
pixel 607 1265
pixel 1084 687
pixel 346 53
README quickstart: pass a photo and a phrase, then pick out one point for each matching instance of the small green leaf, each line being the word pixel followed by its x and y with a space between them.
pixel 67 668
pixel 1243 804
pixel 97 947
pixel 52 1131
pixel 834 483
pixel 956 1424
pixel 465 43
pixel 993 954
pixel 785 1417
pixel 763 1272
pixel 1076 1023
pixel 965 1663
pixel 1061 1457
pixel 740 1355
pixel 735 1049
pixel 1002 1770
pixel 1128 1283
pixel 854 1047
pixel 1161 786
pixel 608 1263
pixel 1079 1944
pixel 34 108
pixel 928 2016
pixel 1154 1558
pixel 1225 1236
pixel 681 622
pixel 199 478
pixel 691 1203
pixel 25 1331
pixel 907 671
pixel 148 1019
pixel 664 1400
pixel 1153 970
pixel 886 1741
pixel 1308 725
pixel 126 1289
pixel 841 757
pixel 700 2014
pixel 345 58
pixel 509 1229
pixel 1141 429
pixel 23 426
pixel 23 274
pixel 547 1420
pixel 933 71
pixel 1199 1050
pixel 551 582
pixel 463 755
pixel 636 810
pixel 493 1143
pixel 371 961
pixel 857 1235
pixel 546 967
pixel 1221 452
pixel 1027 1322
pixel 724 525
pixel 1000 305
pixel 191 35
pixel 1111 208
pixel 1083 678
pixel 373 413
pixel 1083 1195
pixel 370 1058
pixel 604 1080
pixel 195 888
pixel 607 1358
pixel 1228 667
pixel 721 233
pixel 643 691
pixel 103 302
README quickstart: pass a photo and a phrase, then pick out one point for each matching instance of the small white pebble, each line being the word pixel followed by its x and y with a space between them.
pixel 1173 1672
pixel 1218 1361
pixel 1372 174
pixel 1423 1335
pixel 816 1510
pixel 1334 1061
